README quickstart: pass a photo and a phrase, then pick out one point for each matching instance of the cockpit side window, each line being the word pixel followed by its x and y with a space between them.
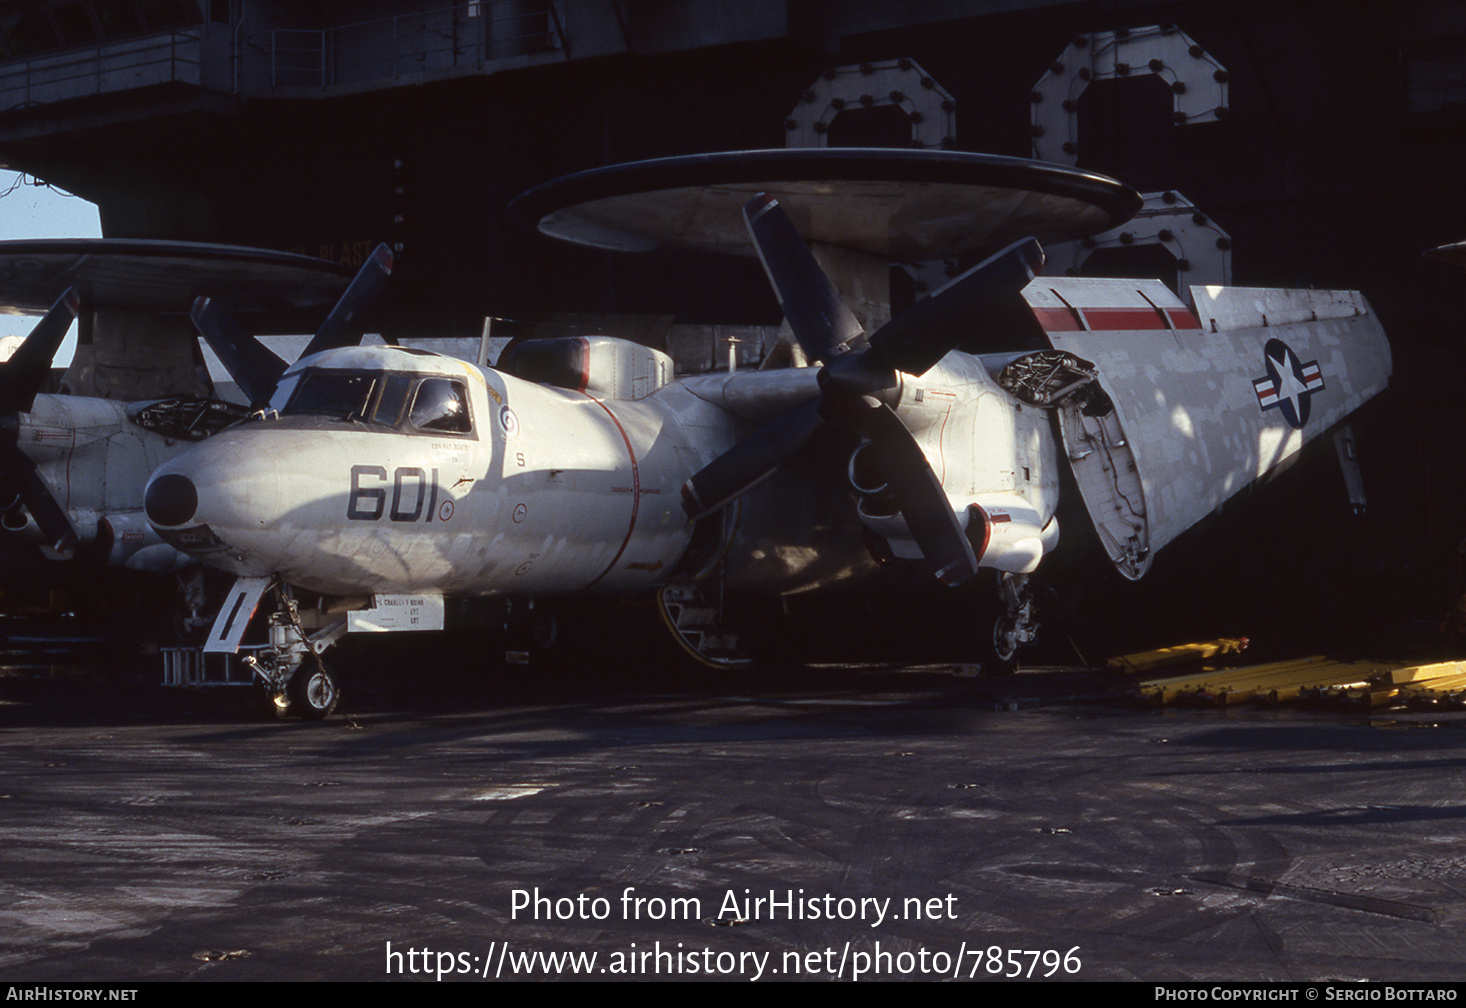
pixel 440 404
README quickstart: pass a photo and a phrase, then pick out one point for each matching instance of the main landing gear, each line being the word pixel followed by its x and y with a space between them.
pixel 1007 625
pixel 694 615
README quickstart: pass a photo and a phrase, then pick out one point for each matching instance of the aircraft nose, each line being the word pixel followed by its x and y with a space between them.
pixel 171 500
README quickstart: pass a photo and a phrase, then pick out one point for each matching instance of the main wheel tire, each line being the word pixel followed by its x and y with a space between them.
pixel 999 656
pixel 314 692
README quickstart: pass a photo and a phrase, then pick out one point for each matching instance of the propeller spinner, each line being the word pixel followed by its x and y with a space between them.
pixel 855 384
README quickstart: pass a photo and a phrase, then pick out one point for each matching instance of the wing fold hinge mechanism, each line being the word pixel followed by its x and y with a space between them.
pixel 1050 378
pixel 1099 450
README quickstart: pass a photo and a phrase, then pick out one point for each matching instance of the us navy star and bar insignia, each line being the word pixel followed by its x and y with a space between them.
pixel 1288 384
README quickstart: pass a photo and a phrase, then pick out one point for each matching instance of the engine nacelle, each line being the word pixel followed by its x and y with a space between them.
pixel 1006 533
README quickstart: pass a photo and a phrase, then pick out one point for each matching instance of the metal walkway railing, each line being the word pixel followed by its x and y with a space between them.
pixel 119 65
pixel 465 38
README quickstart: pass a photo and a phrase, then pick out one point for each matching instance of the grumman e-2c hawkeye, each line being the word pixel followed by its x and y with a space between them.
pixel 381 480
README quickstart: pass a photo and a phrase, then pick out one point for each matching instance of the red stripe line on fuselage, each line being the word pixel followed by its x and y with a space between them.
pixel 584 379
pixel 951 398
pixel 635 496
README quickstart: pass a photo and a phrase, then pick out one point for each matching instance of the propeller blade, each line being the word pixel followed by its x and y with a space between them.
pixel 249 362
pixel 22 376
pixel 36 496
pixel 256 370
pixel 818 318
pixel 342 327
pixel 919 495
pixel 851 382
pixel 930 329
pixel 751 461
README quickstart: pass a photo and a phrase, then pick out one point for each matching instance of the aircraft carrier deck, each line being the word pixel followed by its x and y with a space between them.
pixel 810 824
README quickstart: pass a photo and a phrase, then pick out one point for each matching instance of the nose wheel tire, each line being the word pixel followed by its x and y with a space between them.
pixel 313 692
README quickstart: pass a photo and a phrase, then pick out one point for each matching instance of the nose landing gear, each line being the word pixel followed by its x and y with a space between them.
pixel 295 681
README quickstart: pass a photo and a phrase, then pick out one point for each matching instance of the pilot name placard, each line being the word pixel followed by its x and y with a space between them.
pixel 732 906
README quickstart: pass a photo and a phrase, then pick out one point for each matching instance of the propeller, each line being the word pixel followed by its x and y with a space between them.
pixel 256 370
pixel 856 384
pixel 21 379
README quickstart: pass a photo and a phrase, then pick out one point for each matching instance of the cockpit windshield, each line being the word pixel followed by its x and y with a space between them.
pixel 382 399
pixel 339 394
